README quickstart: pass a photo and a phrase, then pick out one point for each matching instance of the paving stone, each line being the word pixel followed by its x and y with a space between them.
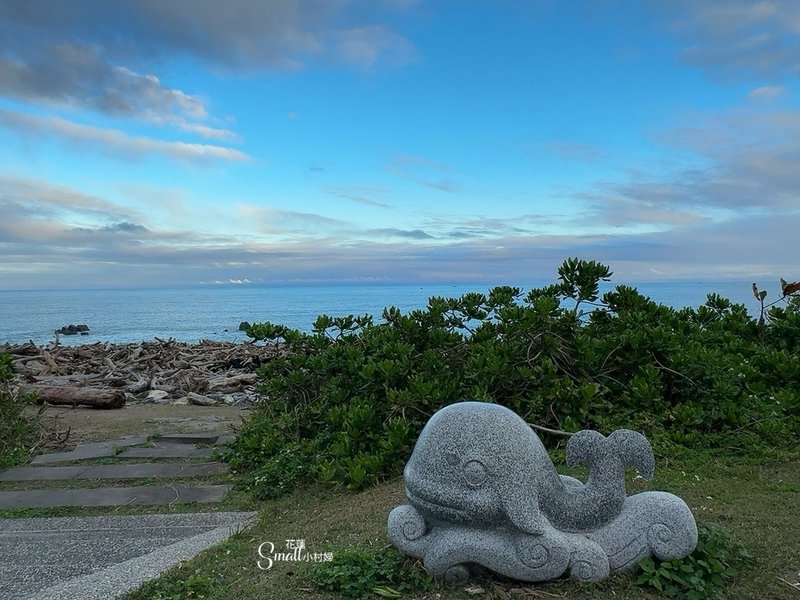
pixel 176 451
pixel 97 558
pixel 113 496
pixel 123 471
pixel 202 453
pixel 224 439
pixel 120 443
pixel 42 473
pixel 141 470
pixel 186 438
pixel 171 451
pixel 89 450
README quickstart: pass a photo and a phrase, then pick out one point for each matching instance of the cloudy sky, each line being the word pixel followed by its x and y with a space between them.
pixel 152 142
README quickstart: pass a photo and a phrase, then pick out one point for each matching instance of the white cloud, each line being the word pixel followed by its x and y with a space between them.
pixel 123 252
pixel 766 92
pixel 370 46
pixel 78 76
pixel 739 39
pixel 112 141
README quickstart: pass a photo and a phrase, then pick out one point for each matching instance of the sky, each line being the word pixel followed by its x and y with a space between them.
pixel 152 143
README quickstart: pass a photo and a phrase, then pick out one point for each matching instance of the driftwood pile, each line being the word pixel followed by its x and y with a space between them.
pixel 106 375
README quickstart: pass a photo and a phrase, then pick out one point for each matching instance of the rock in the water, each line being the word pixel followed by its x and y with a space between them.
pixel 72 329
pixel 200 400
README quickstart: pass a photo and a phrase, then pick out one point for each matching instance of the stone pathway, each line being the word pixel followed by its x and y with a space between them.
pixel 104 557
pixel 171 446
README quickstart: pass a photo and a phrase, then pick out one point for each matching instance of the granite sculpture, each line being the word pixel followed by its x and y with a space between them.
pixel 484 495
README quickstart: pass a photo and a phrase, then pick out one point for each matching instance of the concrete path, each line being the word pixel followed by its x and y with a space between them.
pixel 102 558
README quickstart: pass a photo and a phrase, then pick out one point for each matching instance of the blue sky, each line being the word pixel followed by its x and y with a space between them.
pixel 305 141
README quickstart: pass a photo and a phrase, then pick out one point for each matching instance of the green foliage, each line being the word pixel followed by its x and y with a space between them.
pixel 345 403
pixel 195 586
pixel 17 430
pixel 358 572
pixel 6 367
pixel 703 574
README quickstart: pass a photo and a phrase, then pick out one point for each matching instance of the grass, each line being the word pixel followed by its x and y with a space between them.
pixel 758 501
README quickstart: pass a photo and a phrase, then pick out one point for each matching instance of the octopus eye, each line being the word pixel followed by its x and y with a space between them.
pixel 475 472
pixel 451 457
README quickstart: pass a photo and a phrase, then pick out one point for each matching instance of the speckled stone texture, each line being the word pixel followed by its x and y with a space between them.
pixel 484 494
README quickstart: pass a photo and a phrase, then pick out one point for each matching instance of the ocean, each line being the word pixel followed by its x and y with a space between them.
pixel 195 313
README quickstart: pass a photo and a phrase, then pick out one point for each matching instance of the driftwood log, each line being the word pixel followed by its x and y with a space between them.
pixel 97 374
pixel 75 396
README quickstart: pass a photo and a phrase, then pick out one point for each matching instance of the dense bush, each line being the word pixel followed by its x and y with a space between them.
pixel 346 402
pixel 17 430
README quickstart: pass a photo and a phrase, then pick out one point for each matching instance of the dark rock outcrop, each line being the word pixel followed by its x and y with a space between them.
pixel 73 330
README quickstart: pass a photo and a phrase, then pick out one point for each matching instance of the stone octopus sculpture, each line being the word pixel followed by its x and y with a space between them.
pixel 485 495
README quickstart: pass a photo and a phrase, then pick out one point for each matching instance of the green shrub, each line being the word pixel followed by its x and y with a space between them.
pixel 6 367
pixel 346 402
pixel 17 430
pixel 703 574
pixel 358 572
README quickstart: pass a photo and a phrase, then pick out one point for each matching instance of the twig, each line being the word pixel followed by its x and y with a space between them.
pixel 675 372
pixel 605 360
pixel 177 496
pixel 553 431
pixel 124 505
pixel 760 421
pixel 794 586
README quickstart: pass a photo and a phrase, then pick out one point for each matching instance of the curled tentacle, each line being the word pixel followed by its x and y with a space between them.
pixel 457 574
pixel 588 561
pixel 407 529
pixel 651 524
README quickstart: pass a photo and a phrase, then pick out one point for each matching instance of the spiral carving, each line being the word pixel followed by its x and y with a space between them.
pixel 413 525
pixel 534 555
pixel 659 535
pixel 583 570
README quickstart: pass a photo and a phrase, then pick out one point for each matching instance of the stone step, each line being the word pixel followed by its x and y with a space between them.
pixel 121 496
pixel 186 438
pixel 121 471
pixel 171 451
pixel 90 450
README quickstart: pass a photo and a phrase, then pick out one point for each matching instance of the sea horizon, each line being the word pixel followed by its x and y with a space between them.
pixel 195 312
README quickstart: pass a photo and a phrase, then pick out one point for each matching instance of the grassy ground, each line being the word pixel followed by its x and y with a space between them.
pixel 758 501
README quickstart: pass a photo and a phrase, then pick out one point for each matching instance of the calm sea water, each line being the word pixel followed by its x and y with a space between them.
pixel 194 313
